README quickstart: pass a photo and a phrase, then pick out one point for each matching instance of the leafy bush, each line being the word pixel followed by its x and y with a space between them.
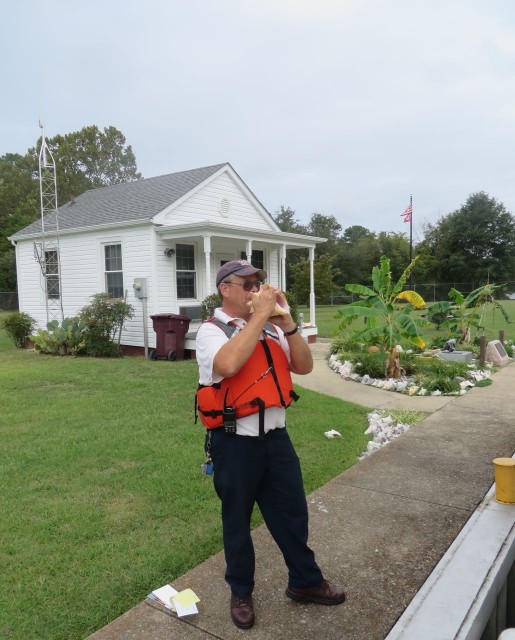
pixel 371 363
pixel 291 299
pixel 409 362
pixel 104 318
pixel 209 304
pixel 343 342
pixel 437 317
pixel 67 339
pixel 486 382
pixel 19 326
pixel 440 383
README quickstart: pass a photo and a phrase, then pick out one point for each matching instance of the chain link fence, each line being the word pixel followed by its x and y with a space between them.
pixel 430 291
pixel 8 301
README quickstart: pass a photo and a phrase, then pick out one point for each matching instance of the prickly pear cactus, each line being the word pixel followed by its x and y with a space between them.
pixel 67 339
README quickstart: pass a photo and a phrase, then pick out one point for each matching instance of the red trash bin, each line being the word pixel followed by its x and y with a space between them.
pixel 171 329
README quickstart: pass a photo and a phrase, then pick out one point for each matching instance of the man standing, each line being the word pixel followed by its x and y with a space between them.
pixel 244 388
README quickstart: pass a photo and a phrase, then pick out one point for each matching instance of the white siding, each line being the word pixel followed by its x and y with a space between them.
pixel 143 256
pixel 82 275
pixel 204 204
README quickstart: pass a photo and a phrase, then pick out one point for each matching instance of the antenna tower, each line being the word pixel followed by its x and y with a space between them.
pixel 47 251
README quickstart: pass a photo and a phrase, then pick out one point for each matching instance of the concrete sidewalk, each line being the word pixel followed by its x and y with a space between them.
pixel 378 529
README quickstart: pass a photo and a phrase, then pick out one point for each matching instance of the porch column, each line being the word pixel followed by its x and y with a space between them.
pixel 312 286
pixel 282 255
pixel 207 259
pixel 248 250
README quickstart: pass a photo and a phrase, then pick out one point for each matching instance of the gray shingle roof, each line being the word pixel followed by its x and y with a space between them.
pixel 125 202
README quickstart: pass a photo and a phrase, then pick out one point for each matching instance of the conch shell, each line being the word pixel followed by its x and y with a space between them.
pixel 281 306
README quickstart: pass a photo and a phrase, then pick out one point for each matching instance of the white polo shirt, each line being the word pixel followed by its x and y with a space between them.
pixel 210 339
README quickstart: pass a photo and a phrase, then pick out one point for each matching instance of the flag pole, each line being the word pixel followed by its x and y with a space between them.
pixel 408 217
pixel 411 239
pixel 411 229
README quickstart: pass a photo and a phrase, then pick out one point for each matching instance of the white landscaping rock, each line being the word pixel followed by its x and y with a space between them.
pixel 383 430
pixel 405 385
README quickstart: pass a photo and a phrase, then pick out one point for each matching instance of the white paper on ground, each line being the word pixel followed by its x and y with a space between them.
pixel 165 596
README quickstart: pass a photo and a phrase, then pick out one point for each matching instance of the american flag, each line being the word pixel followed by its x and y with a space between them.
pixel 407 213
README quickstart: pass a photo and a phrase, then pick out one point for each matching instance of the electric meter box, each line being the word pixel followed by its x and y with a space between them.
pixel 140 287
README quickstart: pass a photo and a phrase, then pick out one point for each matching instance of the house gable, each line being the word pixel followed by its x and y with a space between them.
pixel 222 198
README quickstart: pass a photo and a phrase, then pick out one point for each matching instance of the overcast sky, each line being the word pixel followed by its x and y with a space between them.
pixel 342 107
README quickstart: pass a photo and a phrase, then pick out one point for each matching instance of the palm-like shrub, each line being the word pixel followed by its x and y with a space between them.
pixel 463 313
pixel 387 310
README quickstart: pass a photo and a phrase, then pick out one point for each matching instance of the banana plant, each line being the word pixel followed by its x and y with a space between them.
pixel 467 312
pixel 387 323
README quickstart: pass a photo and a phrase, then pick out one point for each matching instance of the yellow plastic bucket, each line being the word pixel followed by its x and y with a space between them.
pixel 505 480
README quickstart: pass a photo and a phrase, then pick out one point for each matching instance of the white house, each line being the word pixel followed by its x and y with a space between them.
pixel 174 231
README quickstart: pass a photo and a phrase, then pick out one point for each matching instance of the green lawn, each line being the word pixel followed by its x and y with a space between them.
pixel 101 494
pixel 327 324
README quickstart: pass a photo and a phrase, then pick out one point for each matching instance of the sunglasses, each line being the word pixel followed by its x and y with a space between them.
pixel 247 285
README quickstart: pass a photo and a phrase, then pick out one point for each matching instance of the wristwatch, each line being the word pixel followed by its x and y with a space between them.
pixel 292 332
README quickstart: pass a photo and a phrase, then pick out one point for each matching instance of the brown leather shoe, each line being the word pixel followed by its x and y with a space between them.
pixel 323 593
pixel 242 611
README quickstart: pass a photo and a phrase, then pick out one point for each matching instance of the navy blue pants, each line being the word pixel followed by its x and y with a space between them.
pixel 247 471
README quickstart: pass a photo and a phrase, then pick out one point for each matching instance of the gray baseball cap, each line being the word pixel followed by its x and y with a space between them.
pixel 239 268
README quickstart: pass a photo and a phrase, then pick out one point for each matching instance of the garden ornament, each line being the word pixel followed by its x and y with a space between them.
pixel 450 345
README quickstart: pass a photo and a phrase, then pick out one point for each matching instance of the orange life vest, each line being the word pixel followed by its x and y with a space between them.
pixel 264 381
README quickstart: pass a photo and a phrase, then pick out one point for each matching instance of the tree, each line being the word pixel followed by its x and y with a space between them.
pixel 387 323
pixel 356 254
pixel 474 244
pixel 19 194
pixel 323 226
pixel 7 270
pixel 324 274
pixel 396 246
pixel 89 159
pixel 84 159
pixel 353 234
pixel 286 221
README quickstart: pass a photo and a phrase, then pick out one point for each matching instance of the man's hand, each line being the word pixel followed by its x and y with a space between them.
pixel 263 301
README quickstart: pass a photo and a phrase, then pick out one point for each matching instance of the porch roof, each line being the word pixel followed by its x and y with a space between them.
pixel 213 229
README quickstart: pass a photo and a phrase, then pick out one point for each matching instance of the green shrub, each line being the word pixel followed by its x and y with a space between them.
pixel 437 317
pixel 104 318
pixel 67 339
pixel 343 343
pixel 440 383
pixel 208 305
pixel 437 381
pixel 291 299
pixel 18 326
pixel 371 363
pixel 475 347
pixel 486 382
pixel 436 367
pixel 509 347
pixel 409 362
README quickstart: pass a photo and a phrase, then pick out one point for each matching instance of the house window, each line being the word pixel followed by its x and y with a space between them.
pixel 52 274
pixel 186 274
pixel 258 259
pixel 113 270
